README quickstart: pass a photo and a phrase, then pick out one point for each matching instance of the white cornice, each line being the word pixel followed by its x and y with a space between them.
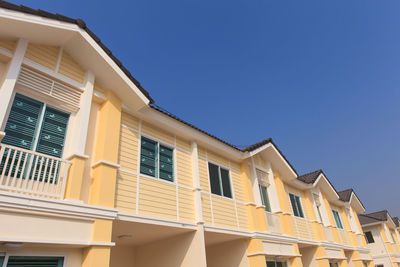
pixel 52 207
pixel 58 242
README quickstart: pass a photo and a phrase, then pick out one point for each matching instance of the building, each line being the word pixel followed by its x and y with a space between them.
pixel 382 235
pixel 92 174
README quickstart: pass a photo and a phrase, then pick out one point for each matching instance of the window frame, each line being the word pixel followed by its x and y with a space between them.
pixel 366 237
pixel 267 206
pixel 283 263
pixel 220 180
pixel 338 220
pixel 46 103
pixel 298 206
pixel 168 146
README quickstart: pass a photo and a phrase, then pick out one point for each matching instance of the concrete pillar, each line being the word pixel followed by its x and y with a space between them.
pixel 104 174
pixel 10 79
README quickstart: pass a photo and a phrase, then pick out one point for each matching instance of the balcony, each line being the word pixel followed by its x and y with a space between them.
pixel 31 173
pixel 328 234
pixel 274 223
pixel 344 237
pixel 303 228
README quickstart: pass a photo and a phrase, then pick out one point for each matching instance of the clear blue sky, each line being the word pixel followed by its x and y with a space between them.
pixel 322 78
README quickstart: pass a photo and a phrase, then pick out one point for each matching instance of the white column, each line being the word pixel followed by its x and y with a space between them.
pixel 7 88
pixel 196 184
pixel 254 182
pixel 275 207
pixel 81 120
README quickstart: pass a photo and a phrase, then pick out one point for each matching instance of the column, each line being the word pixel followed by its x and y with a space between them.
pixel 77 150
pixel 11 76
pixel 99 256
pixel 104 174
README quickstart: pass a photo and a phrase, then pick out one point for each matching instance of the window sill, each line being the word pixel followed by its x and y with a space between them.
pixel 223 197
pixel 157 179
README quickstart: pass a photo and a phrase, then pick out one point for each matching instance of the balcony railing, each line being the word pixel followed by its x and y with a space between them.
pixel 274 223
pixel 303 228
pixel 27 172
pixel 344 237
pixel 328 234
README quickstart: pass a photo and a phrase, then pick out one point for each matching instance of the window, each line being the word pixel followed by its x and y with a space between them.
pixel 337 219
pixel 296 205
pixel 33 125
pixel 369 237
pixel 365 264
pixel 156 160
pixel 264 197
pixel 219 180
pixel 379 265
pixel 318 205
pixel 394 240
pixel 333 264
pixel 34 261
pixel 276 264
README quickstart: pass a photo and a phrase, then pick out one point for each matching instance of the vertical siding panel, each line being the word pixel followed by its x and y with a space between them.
pixel 71 69
pixel 125 194
pixel 9 45
pixel 203 173
pixel 128 149
pixel 184 162
pixel 44 55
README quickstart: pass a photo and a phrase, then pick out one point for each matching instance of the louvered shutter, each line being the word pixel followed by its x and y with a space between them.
pixel 22 123
pixel 1 260
pixel 166 164
pixel 18 261
pixel 52 134
pixel 148 157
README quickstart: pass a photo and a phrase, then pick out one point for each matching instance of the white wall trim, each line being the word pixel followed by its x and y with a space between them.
pixel 131 217
pixel 58 242
pixel 105 162
pixel 55 207
pixel 2 134
pixel 10 79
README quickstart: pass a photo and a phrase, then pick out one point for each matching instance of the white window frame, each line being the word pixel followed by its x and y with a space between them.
pixel 220 179
pixel 167 145
pixel 46 104
pixel 340 219
pixel 301 206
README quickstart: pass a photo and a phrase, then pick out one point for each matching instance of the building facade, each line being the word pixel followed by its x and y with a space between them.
pixel 92 174
pixel 382 235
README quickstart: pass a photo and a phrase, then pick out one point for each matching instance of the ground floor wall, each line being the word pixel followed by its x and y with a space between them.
pixel 228 254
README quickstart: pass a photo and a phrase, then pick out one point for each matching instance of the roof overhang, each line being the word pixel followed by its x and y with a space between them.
pixel 185 131
pixel 325 186
pixel 356 204
pixel 79 44
pixel 271 153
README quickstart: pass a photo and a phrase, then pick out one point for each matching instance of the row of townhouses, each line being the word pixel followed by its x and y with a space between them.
pixel 93 174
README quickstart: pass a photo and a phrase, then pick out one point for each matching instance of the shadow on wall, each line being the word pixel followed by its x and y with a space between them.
pixel 227 254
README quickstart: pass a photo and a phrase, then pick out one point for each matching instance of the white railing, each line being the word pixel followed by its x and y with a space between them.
pixel 303 228
pixel 344 237
pixel 274 223
pixel 27 172
pixel 328 234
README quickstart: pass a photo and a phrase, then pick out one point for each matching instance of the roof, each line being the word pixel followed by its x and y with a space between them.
pixel 374 217
pixel 396 221
pixel 345 195
pixel 365 219
pixel 81 24
pixel 310 178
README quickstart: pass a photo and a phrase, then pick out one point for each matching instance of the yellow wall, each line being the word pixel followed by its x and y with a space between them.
pixel 7 44
pixel 218 210
pixel 153 197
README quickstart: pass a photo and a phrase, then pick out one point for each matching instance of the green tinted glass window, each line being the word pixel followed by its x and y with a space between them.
pixel 156 160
